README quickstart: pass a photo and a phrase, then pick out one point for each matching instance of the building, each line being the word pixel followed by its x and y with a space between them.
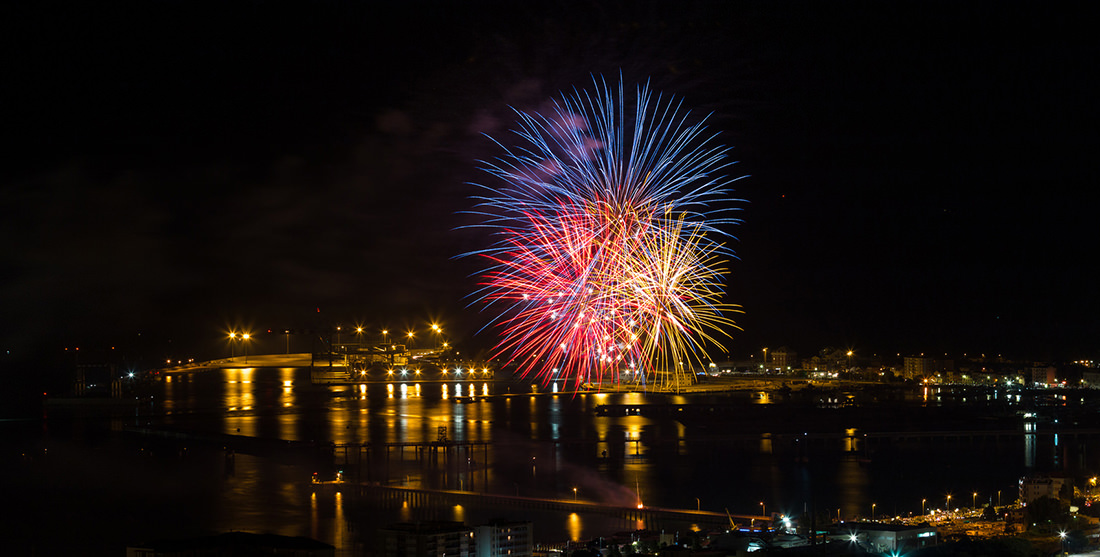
pixel 1091 379
pixel 426 539
pixel 919 366
pixel 501 538
pixel 891 538
pixel 1043 375
pixel 1034 487
pixel 783 359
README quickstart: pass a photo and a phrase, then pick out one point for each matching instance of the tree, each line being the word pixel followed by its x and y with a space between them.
pixel 990 514
pixel 1046 511
pixel 1065 493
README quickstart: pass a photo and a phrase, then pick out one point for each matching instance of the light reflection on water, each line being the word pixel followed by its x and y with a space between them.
pixel 616 459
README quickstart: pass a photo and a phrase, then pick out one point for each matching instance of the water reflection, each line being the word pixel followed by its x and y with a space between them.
pixel 573 526
pixel 547 443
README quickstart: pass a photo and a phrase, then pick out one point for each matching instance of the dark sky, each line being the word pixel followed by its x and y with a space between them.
pixel 921 176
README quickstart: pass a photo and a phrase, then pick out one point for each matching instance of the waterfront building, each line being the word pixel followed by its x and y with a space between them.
pixel 426 539
pixel 919 366
pixel 501 538
pixel 891 538
pixel 783 359
pixel 1042 375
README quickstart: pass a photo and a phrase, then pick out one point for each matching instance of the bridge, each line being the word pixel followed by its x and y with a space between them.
pixel 388 496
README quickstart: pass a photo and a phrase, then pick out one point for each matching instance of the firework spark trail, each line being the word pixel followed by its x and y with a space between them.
pixel 609 253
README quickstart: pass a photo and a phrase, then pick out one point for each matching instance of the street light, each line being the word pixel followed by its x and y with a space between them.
pixel 872 511
pixel 762 512
pixel 949 502
pixel 574 495
pixel 974 501
pixel 697 504
pixel 410 334
pixel 922 502
pixel 244 339
pixel 1062 538
pixel 232 347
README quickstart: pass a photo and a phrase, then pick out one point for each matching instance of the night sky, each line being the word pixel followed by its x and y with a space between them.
pixel 920 174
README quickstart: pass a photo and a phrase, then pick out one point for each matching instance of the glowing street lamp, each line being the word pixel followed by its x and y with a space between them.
pixel 948 502
pixel 922 502
pixel 872 511
pixel 574 495
pixel 232 347
pixel 244 339
pixel 762 509
pixel 410 335
pixel 437 330
pixel 974 501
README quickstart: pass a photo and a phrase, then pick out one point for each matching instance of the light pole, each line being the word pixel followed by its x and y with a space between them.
pixel 765 358
pixel 410 334
pixel 697 505
pixel 1062 538
pixel 244 339
pixel 949 502
pixel 764 514
pixel 384 333
pixel 287 333
pixel 232 346
pixel 922 502
pixel 974 501
pixel 872 512
pixel 574 495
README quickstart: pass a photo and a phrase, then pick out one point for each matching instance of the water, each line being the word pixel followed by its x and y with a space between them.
pixel 86 472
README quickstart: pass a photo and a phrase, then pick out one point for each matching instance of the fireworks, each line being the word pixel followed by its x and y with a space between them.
pixel 610 225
